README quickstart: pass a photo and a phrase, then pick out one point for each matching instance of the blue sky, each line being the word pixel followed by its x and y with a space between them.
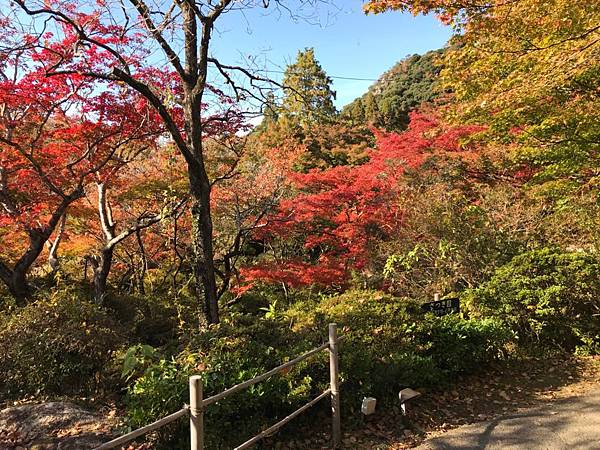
pixel 347 42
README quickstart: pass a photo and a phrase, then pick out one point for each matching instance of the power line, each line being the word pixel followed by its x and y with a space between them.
pixel 330 76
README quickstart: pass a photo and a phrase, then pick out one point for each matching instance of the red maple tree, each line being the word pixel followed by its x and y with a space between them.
pixel 56 135
pixel 337 212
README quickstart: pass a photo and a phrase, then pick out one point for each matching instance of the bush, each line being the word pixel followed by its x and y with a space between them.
pixel 57 345
pixel 388 344
pixel 458 346
pixel 391 344
pixel 377 355
pixel 547 297
pixel 227 354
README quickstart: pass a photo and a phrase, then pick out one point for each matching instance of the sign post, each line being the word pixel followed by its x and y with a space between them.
pixel 442 307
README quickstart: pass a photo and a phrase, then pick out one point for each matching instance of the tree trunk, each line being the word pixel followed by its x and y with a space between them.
pixel 202 230
pixel 53 261
pixel 102 267
pixel 204 269
pixel 141 274
pixel 16 278
pixel 200 187
pixel 17 285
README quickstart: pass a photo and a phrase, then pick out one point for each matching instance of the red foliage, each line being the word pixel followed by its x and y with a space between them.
pixel 128 48
pixel 65 122
pixel 56 135
pixel 339 211
pixel 294 274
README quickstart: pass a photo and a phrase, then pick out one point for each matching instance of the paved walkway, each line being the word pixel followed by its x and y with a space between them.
pixel 572 424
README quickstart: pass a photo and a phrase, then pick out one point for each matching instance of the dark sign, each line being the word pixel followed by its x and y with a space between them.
pixel 442 307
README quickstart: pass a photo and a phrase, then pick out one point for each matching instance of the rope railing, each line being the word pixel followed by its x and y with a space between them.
pixel 144 430
pixel 246 384
pixel 198 405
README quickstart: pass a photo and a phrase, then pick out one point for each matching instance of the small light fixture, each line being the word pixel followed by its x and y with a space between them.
pixel 405 395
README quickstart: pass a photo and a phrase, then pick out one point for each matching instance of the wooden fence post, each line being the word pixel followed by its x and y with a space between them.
pixel 334 377
pixel 196 414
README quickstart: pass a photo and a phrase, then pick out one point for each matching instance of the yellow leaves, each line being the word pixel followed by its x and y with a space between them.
pixel 521 56
pixel 380 6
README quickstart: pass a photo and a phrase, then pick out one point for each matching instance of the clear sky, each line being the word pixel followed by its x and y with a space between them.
pixel 347 42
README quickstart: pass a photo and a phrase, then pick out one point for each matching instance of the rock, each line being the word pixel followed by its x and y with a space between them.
pixel 504 395
pixel 52 426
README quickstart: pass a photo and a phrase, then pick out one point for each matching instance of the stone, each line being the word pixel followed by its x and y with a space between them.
pixel 53 426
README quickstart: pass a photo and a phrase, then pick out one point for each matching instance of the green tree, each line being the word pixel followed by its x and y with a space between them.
pixel 308 96
pixel 270 112
pixel 371 110
pixel 307 118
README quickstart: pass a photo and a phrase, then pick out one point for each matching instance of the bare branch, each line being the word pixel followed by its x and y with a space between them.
pixel 142 8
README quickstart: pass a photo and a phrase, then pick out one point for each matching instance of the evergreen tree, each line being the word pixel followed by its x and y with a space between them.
pixel 270 114
pixel 308 96
pixel 372 115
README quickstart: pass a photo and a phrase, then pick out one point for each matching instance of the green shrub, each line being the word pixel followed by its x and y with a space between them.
pixel 388 344
pixel 377 355
pixel 56 345
pixel 226 355
pixel 458 346
pixel 547 297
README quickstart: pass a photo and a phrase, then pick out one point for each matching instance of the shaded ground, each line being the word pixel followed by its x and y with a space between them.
pixel 502 391
pixel 563 424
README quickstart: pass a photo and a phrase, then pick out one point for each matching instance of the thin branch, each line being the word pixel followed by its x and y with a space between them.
pixel 142 8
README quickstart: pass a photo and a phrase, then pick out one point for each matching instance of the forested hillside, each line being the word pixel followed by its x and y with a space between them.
pixel 148 232
pixel 406 86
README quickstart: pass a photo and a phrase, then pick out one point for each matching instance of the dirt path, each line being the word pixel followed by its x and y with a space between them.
pixel 572 423
pixel 506 390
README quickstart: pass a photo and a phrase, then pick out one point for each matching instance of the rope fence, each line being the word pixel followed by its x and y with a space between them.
pixel 198 404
